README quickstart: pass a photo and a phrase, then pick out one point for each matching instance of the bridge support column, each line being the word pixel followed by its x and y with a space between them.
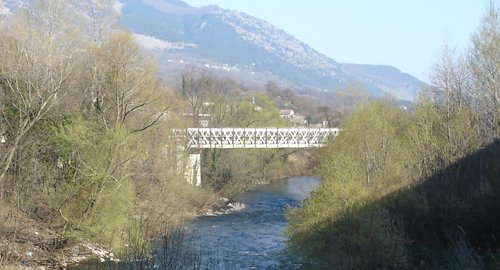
pixel 194 170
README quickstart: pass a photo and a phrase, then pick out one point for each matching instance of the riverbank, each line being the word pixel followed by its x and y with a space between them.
pixel 26 243
pixel 223 207
pixel 251 238
pixel 252 229
pixel 29 244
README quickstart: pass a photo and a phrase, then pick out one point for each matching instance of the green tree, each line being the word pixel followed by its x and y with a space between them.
pixel 82 119
pixel 257 110
pixel 232 171
pixel 340 225
pixel 97 194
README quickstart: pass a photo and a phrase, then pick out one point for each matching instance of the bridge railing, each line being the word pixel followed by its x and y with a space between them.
pixel 227 138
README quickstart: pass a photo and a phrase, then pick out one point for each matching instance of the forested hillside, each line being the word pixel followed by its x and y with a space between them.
pixel 82 115
pixel 414 189
pixel 86 154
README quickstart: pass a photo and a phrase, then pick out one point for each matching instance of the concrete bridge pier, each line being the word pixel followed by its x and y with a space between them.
pixel 194 171
pixel 231 138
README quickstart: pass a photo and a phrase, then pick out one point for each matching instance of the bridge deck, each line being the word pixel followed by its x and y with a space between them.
pixel 229 138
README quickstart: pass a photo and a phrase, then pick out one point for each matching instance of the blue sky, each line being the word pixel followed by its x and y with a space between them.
pixel 407 34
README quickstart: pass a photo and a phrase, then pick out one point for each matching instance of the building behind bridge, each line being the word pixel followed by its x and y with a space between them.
pixel 296 119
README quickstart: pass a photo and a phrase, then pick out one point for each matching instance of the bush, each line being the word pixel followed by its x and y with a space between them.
pixel 340 225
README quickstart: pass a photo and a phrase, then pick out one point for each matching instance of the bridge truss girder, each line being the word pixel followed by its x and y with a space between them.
pixel 229 138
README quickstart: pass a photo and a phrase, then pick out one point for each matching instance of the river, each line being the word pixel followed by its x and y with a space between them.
pixel 252 238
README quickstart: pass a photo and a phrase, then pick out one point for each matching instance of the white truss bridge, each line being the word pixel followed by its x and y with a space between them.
pixel 229 138
pixel 233 138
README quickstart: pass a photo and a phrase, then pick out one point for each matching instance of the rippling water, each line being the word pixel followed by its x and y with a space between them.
pixel 253 238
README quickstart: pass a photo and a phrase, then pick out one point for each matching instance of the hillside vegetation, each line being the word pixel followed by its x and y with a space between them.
pixel 86 154
pixel 82 115
pixel 414 189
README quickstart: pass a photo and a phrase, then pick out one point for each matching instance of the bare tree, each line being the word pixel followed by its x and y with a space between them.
pixel 35 71
pixel 195 94
pixel 98 18
pixel 484 60
pixel 123 83
pixel 326 113
pixel 452 92
pixel 450 80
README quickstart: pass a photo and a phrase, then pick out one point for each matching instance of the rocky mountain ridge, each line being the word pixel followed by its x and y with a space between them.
pixel 234 44
pixel 253 49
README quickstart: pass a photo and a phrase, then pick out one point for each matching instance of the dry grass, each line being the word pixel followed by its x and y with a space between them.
pixel 26 243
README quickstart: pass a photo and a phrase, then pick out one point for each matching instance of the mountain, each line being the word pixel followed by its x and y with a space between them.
pixel 242 47
pixel 246 47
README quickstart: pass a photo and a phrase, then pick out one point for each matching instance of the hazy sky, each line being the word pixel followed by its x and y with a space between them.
pixel 407 34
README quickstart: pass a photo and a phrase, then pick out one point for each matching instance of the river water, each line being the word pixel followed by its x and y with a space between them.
pixel 252 238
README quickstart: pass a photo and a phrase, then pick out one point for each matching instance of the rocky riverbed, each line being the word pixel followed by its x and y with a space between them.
pixel 228 207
